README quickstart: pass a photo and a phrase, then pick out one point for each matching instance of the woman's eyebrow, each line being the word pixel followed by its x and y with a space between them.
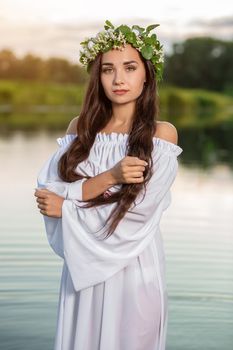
pixel 111 64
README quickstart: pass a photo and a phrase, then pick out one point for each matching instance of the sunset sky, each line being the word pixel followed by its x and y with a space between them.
pixel 55 28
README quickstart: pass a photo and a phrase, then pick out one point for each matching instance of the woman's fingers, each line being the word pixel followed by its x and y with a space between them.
pixel 41 193
pixel 41 206
pixel 136 174
pixel 49 203
pixel 135 161
pixel 43 212
pixel 136 179
pixel 42 200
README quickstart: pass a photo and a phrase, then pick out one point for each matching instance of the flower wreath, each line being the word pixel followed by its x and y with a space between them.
pixel 116 38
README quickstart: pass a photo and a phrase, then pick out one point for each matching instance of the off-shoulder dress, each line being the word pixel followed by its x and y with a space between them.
pixel 113 293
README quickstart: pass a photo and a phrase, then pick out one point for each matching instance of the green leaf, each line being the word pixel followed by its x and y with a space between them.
pixel 154 37
pixel 108 25
pixel 140 29
pixel 149 41
pixel 154 59
pixel 152 26
pixel 147 52
pixel 159 46
pixel 131 37
pixel 124 29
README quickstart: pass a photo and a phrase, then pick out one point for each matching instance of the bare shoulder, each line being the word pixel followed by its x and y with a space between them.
pixel 72 127
pixel 166 131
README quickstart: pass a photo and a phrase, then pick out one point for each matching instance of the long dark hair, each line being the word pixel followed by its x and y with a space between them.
pixel 95 114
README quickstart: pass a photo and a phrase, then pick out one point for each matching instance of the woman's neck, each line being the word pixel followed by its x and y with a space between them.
pixel 122 117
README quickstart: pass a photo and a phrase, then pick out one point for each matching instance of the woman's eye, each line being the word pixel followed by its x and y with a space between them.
pixel 131 68
pixel 106 70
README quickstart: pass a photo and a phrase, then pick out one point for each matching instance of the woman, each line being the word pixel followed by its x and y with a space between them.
pixel 112 174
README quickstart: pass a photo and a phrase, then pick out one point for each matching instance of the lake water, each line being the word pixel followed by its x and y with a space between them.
pixel 198 238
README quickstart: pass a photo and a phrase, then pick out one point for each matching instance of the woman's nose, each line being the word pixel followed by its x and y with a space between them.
pixel 118 79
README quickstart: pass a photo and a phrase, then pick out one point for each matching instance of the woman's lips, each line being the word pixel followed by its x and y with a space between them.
pixel 120 92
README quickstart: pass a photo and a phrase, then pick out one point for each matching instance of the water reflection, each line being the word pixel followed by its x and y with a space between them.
pixel 206 147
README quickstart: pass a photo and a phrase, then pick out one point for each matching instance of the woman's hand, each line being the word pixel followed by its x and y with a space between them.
pixel 50 204
pixel 129 170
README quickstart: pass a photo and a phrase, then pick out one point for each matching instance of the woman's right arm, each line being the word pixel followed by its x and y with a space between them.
pixel 94 186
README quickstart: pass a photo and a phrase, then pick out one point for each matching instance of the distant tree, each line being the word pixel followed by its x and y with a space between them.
pixel 9 64
pixel 202 62
pixel 61 71
pixel 31 67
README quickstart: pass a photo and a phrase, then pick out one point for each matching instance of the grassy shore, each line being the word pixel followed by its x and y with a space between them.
pixel 33 105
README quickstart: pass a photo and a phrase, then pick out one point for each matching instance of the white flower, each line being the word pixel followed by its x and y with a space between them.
pixel 139 42
pixel 88 54
pixel 136 31
pixel 110 31
pixel 90 45
pixel 100 34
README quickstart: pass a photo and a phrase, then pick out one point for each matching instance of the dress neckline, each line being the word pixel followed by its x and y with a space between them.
pixel 120 136
pixel 121 139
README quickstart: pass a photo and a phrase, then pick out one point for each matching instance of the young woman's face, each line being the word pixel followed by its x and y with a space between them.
pixel 124 71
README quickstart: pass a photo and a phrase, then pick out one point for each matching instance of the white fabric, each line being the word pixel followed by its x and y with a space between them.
pixel 113 292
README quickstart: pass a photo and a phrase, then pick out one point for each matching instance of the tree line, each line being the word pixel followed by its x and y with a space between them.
pixel 201 62
pixel 34 68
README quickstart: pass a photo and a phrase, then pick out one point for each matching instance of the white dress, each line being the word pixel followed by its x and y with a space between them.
pixel 113 292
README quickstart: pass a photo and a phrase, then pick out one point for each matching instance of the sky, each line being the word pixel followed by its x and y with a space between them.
pixel 55 28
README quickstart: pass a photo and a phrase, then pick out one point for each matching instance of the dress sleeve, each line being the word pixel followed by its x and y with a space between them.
pixel 48 175
pixel 92 260
pixel 48 178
